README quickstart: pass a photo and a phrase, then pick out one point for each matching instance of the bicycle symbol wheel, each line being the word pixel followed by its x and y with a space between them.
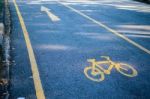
pixel 98 76
pixel 126 70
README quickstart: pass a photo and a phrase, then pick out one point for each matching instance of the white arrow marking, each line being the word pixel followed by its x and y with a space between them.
pixel 53 17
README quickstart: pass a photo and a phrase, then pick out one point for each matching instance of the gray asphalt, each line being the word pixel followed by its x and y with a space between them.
pixel 62 48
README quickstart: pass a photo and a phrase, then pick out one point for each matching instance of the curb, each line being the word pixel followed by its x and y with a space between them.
pixel 4 51
pixel 1 33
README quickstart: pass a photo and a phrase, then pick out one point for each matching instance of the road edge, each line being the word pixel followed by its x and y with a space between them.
pixel 5 54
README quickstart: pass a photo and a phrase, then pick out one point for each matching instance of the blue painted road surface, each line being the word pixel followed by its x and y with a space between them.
pixel 52 40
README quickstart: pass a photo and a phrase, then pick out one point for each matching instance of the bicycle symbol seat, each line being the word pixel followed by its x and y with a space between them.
pixel 96 71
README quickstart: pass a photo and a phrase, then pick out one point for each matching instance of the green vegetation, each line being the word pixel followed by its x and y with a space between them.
pixel 1 5
pixel 1 9
pixel 147 1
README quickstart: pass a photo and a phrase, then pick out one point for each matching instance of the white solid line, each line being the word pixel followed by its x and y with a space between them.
pixel 107 28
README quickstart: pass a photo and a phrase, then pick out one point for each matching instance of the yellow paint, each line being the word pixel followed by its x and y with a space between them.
pixel 96 72
pixel 34 67
pixel 109 29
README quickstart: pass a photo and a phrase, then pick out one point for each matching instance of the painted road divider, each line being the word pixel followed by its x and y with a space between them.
pixel 107 28
pixel 34 67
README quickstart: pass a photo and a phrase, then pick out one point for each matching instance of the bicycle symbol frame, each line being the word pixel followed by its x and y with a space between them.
pixel 96 72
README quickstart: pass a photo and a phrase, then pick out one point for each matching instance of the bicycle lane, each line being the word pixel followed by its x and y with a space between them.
pixel 21 82
pixel 62 49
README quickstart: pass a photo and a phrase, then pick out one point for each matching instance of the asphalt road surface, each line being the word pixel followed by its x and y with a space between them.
pixel 52 40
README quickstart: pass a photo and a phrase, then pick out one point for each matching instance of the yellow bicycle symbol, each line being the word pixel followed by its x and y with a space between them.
pixel 96 71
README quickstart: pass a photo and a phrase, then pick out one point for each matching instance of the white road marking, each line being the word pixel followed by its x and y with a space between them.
pixel 53 17
pixel 107 28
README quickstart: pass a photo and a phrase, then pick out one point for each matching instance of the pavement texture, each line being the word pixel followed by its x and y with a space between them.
pixel 62 48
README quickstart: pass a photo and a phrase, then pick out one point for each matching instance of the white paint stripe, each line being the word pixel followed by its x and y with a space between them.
pixel 53 17
pixel 107 28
